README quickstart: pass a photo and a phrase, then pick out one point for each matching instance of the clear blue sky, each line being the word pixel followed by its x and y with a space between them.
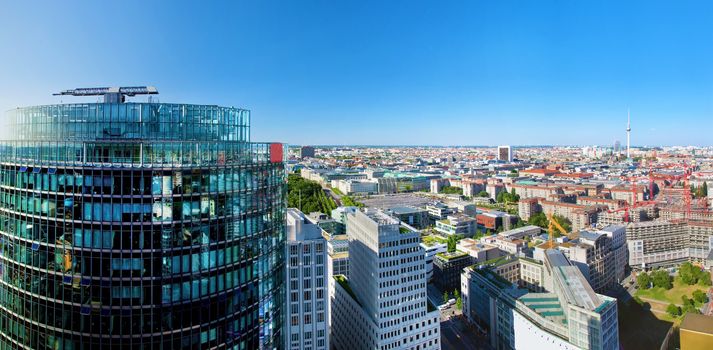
pixel 386 72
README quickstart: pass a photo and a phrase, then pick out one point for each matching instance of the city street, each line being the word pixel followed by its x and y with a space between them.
pixel 456 332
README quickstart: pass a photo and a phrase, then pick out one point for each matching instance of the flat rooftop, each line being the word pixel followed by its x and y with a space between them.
pixel 697 323
pixel 546 305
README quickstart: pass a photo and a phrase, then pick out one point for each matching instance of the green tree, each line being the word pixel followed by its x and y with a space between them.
pixel 700 296
pixel 483 194
pixel 445 297
pixel 459 303
pixel 661 279
pixel 456 293
pixel 687 273
pixel 451 190
pixel 643 280
pixel 673 310
pixel 539 219
pixel 452 241
pixel 704 279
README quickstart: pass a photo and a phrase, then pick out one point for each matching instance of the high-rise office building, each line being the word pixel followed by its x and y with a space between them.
pixel 383 303
pixel 306 152
pixel 147 225
pixel 505 154
pixel 307 275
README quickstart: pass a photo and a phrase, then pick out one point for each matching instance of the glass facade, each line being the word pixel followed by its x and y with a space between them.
pixel 143 225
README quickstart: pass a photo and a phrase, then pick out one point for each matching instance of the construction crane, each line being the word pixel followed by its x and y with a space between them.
pixel 551 232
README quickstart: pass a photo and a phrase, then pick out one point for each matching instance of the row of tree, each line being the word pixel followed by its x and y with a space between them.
pixel 507 197
pixel 307 195
pixel 451 190
pixel 691 275
pixel 659 278
pixel 700 191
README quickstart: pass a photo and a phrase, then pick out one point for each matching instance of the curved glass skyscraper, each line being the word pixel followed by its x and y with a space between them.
pixel 139 225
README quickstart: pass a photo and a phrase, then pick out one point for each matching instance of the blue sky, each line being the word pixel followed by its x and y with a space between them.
pixel 386 72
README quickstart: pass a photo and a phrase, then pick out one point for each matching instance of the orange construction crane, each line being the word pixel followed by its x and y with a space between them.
pixel 551 232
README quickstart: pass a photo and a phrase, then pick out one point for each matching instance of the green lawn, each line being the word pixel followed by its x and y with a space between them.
pixel 672 295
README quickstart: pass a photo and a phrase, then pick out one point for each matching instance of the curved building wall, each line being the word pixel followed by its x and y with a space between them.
pixel 139 224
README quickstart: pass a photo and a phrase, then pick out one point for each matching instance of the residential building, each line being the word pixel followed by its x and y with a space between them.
pixel 140 224
pixel 306 277
pixel 527 207
pixel 668 243
pixel 383 303
pixel 479 252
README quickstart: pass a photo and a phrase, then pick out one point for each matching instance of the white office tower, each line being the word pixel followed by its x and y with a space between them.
pixel 505 154
pixel 307 275
pixel 383 304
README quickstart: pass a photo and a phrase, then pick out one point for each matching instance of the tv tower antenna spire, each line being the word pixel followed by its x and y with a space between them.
pixel 628 133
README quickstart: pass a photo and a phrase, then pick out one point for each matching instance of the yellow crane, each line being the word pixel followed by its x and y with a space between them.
pixel 550 230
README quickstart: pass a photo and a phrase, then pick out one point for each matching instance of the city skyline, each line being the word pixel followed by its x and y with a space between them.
pixel 395 73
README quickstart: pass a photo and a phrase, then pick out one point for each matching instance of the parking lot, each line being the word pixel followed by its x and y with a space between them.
pixel 396 200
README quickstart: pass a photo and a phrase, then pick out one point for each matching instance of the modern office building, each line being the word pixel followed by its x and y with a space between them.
pixel 338 252
pixel 431 250
pixel 505 154
pixel 146 225
pixel 306 152
pixel 457 224
pixel 569 315
pixel 447 268
pixel 383 304
pixel 416 217
pixel 306 278
pixel 592 253
pixel 617 236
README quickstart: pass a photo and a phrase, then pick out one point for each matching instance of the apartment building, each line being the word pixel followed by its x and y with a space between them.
pixel 527 207
pixel 383 304
pixel 657 243
pixel 306 278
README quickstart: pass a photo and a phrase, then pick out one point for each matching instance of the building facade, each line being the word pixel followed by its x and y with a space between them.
pixel 383 304
pixel 306 278
pixel 147 225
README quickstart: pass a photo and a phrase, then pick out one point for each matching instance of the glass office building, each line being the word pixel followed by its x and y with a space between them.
pixel 139 225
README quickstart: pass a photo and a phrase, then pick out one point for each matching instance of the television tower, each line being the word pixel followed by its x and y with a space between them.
pixel 628 133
